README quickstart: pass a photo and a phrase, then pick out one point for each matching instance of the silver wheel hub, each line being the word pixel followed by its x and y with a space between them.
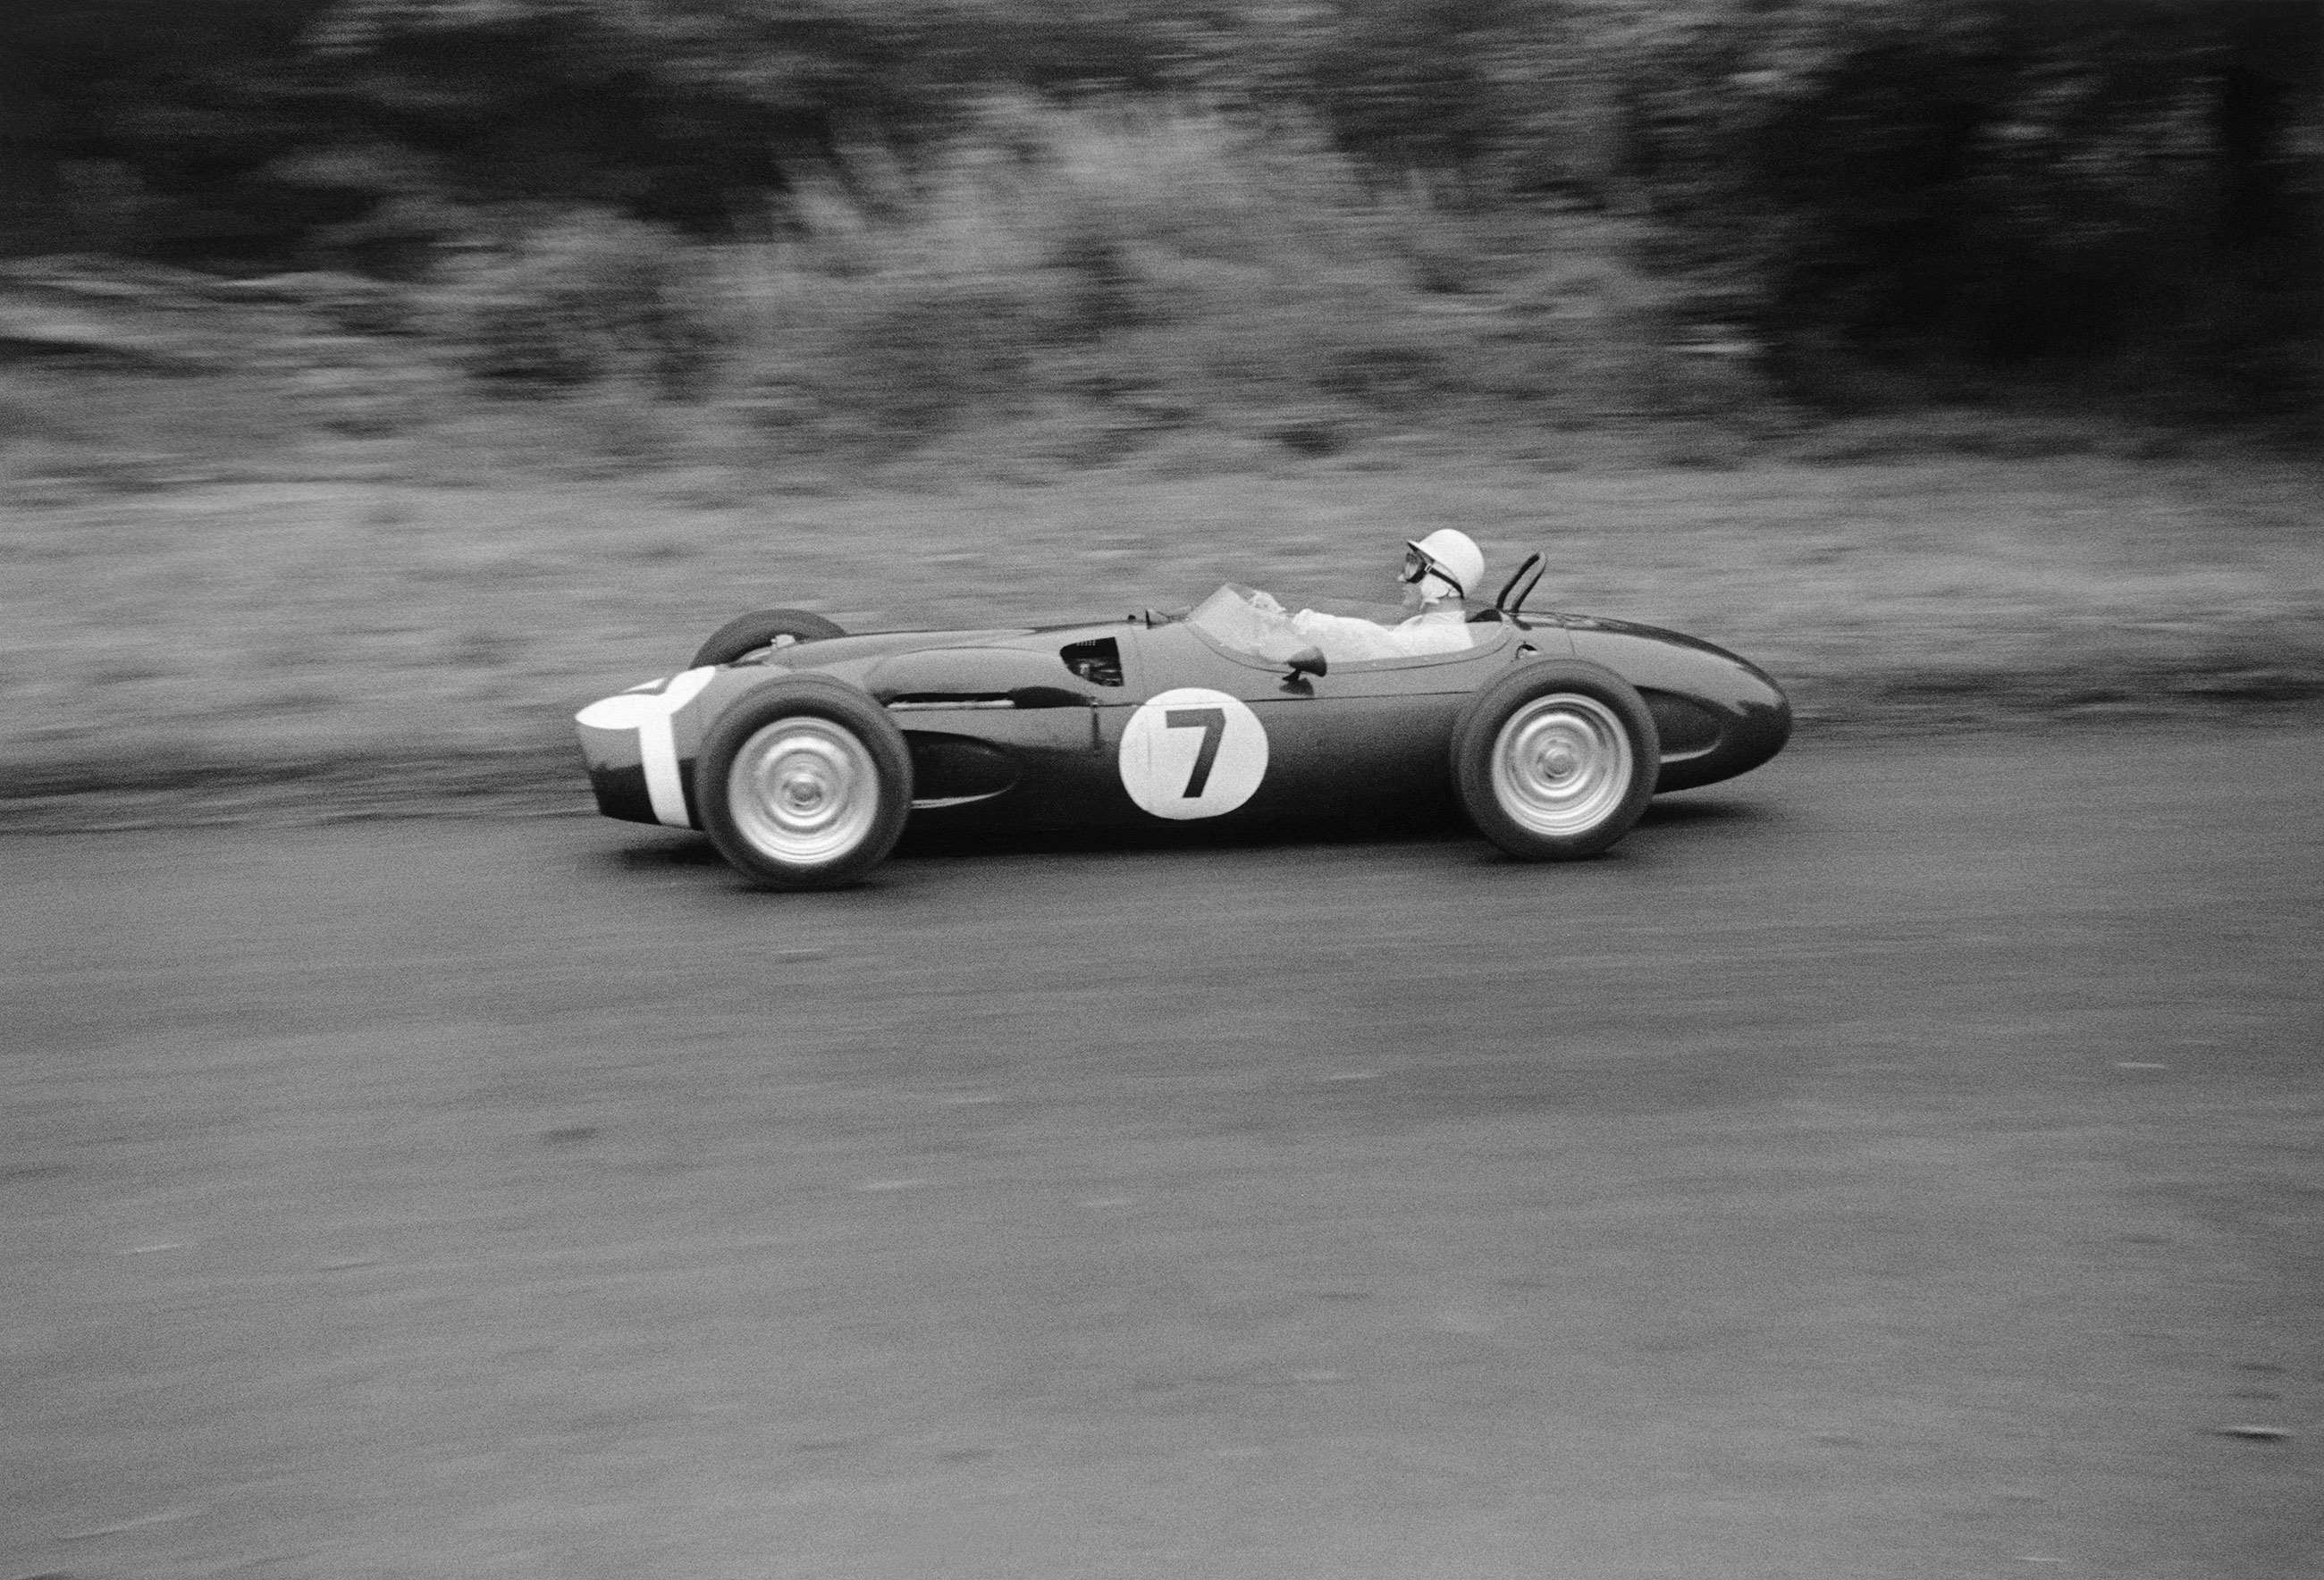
pixel 1561 764
pixel 803 791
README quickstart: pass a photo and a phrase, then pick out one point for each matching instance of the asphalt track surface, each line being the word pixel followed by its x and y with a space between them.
pixel 1899 1163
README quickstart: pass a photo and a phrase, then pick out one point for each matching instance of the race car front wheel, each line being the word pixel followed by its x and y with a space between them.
pixel 1556 759
pixel 804 783
pixel 766 628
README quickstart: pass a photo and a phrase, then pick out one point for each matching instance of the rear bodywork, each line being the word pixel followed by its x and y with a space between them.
pixel 1058 728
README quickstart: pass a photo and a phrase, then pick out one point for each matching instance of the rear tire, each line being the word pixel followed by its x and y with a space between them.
pixel 804 783
pixel 1555 761
pixel 766 628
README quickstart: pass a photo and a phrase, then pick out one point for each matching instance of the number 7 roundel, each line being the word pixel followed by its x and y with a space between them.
pixel 1192 753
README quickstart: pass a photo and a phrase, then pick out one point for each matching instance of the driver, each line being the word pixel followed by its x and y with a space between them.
pixel 1437 574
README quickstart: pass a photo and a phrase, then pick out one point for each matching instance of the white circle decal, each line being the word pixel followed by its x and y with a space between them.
pixel 1192 753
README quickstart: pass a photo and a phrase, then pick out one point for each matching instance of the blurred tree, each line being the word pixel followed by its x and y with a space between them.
pixel 137 122
pixel 1988 181
pixel 1985 180
pixel 691 111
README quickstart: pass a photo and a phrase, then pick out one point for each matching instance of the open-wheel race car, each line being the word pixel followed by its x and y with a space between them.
pixel 802 750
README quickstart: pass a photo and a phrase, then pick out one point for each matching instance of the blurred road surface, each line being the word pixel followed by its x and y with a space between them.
pixel 1901 1162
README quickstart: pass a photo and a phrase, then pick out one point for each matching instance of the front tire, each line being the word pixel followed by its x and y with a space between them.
pixel 804 783
pixel 1556 759
pixel 766 627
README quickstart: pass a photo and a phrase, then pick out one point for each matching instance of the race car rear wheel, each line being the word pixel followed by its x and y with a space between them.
pixel 766 628
pixel 804 783
pixel 1556 759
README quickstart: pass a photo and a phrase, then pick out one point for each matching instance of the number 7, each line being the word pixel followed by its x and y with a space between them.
pixel 1212 724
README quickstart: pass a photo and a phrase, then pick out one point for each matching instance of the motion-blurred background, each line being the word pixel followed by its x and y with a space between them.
pixel 842 225
pixel 354 351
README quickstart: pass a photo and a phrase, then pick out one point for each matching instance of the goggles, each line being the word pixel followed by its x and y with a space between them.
pixel 1419 563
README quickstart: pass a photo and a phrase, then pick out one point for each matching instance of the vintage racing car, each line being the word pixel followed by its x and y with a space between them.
pixel 801 751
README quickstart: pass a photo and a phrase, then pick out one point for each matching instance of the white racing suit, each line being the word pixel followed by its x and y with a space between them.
pixel 1345 639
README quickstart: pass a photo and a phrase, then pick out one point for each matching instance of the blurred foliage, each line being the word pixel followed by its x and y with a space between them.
pixel 584 296
pixel 1887 199
pixel 1129 272
pixel 1991 183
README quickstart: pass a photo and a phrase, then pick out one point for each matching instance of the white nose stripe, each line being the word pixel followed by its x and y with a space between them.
pixel 649 714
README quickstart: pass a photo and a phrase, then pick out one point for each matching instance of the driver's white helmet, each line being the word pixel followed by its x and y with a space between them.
pixel 1446 564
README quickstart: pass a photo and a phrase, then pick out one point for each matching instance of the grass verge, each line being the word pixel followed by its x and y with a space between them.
pixel 356 646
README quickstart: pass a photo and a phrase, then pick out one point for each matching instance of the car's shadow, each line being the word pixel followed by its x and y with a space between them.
pixel 674 851
pixel 1698 812
pixel 663 851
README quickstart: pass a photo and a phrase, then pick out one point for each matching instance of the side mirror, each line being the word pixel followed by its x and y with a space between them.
pixel 1304 662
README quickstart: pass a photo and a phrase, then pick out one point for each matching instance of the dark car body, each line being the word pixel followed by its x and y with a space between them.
pixel 1021 728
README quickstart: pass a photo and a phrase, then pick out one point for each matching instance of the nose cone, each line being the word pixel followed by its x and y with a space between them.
pixel 630 746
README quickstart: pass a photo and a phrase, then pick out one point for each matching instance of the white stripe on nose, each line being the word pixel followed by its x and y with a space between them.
pixel 650 712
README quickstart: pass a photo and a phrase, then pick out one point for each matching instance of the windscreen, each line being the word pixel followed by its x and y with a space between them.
pixel 1243 620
